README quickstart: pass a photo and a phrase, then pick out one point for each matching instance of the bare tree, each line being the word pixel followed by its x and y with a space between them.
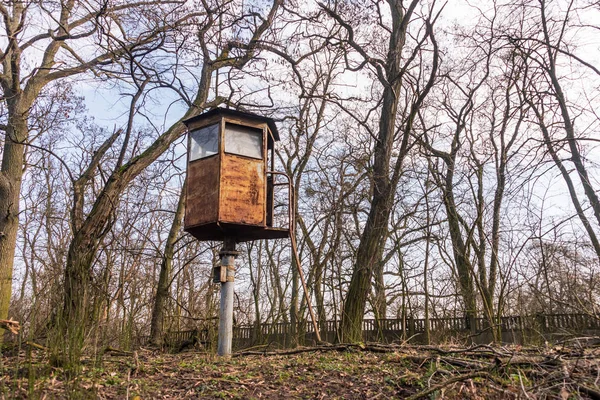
pixel 59 30
pixel 393 74
pixel 165 274
pixel 547 52
pixel 90 228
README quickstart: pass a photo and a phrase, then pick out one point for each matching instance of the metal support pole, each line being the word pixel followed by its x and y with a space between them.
pixel 227 255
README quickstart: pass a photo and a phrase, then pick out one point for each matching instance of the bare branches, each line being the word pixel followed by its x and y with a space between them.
pixel 376 63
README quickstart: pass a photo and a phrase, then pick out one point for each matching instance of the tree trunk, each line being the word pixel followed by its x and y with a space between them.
pixel 567 178
pixel 576 157
pixel 370 251
pixel 11 173
pixel 294 309
pixel 428 234
pixel 319 296
pixel 166 268
pixel 379 297
pixel 372 241
pixel 464 268
pixel 73 320
pixel 385 175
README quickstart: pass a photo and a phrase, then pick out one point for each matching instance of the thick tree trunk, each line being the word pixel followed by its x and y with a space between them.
pixel 370 251
pixel 11 173
pixel 379 297
pixel 73 320
pixel 18 104
pixel 385 176
pixel 372 241
pixel 166 268
pixel 464 268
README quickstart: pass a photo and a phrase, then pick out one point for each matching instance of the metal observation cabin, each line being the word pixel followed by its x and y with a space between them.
pixel 231 178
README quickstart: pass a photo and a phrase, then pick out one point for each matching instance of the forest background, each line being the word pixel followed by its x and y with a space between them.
pixel 443 155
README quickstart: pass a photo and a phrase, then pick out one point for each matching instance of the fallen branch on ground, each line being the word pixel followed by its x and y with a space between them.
pixel 459 378
pixel 374 348
pixel 37 346
pixel 11 325
pixel 118 352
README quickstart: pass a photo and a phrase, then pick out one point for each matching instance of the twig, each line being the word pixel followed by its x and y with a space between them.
pixel 464 338
pixel 472 349
pixel 37 346
pixel 209 379
pixel 521 383
pixel 293 351
pixel 136 360
pixel 594 394
pixel 407 340
pixel 260 346
pixel 128 383
pixel 459 378
pixel 458 362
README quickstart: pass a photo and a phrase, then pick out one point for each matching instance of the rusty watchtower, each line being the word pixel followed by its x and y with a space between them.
pixel 231 195
pixel 231 177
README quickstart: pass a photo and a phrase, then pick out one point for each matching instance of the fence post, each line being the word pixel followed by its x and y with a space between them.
pixel 471 323
pixel 541 322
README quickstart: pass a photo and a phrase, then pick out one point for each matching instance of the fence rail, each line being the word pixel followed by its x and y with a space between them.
pixel 382 329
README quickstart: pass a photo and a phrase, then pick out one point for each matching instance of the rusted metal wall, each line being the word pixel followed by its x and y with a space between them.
pixel 202 203
pixel 243 185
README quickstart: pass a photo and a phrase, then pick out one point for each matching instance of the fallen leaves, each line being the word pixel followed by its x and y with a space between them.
pixel 342 371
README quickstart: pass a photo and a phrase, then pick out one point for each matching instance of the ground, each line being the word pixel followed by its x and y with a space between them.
pixel 344 372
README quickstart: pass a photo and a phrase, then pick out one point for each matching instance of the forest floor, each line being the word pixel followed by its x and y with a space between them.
pixel 367 371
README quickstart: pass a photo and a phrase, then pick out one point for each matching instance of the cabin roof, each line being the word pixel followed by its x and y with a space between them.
pixel 226 112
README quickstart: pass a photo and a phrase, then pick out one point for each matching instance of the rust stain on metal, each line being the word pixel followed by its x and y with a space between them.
pixel 243 198
pixel 202 203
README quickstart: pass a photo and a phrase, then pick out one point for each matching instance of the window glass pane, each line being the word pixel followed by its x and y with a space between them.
pixel 243 140
pixel 204 142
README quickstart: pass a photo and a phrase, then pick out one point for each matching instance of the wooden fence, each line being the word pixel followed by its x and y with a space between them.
pixel 514 329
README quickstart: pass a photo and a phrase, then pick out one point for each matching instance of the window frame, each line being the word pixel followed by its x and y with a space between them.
pixel 257 129
pixel 216 125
